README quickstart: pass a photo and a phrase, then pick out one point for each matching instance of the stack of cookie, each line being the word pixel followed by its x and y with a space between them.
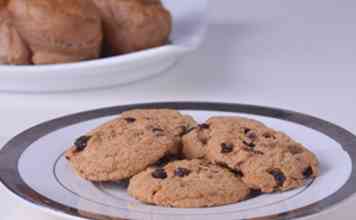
pixel 173 161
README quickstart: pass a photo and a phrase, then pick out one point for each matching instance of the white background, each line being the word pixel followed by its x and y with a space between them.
pixel 298 55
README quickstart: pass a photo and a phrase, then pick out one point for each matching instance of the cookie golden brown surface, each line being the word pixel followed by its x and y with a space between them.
pixel 269 160
pixel 127 145
pixel 188 184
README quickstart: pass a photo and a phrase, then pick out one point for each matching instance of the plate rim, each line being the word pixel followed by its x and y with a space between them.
pixel 12 151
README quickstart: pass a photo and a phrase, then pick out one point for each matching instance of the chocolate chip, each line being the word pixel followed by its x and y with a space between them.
pixel 158 131
pixel 279 177
pixel 204 126
pixel 130 120
pixel 166 159
pixel 182 172
pixel 308 172
pixel 81 143
pixel 237 173
pixel 250 144
pixel 246 130
pixel 223 164
pixel 254 193
pixel 159 173
pixel 226 148
pixel 251 135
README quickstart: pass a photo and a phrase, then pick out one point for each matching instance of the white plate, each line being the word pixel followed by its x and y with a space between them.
pixel 32 166
pixel 188 31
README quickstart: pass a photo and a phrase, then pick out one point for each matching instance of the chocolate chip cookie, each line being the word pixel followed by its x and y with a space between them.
pixel 126 145
pixel 172 121
pixel 268 160
pixel 280 168
pixel 188 184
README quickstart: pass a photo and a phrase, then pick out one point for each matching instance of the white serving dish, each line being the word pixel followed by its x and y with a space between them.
pixel 188 32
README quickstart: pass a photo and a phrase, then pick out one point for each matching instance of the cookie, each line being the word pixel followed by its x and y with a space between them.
pixel 120 149
pixel 188 184
pixel 171 121
pixel 268 160
pixel 196 140
pixel 280 169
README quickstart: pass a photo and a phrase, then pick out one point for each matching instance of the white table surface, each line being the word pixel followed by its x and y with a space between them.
pixel 298 55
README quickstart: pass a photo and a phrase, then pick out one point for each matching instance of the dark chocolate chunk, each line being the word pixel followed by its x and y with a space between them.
pixel 130 120
pixel 159 173
pixel 226 148
pixel 279 177
pixel 308 172
pixel 246 130
pixel 254 193
pixel 223 164
pixel 251 135
pixel 237 172
pixel 182 172
pixel 81 143
pixel 166 159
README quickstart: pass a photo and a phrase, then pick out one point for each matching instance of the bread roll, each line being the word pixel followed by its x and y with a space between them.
pixel 58 31
pixel 132 25
pixel 12 48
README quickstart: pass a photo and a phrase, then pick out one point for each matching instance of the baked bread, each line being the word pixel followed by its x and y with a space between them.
pixel 58 31
pixel 132 25
pixel 12 48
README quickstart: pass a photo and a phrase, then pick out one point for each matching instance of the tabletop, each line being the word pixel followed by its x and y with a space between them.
pixel 297 55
